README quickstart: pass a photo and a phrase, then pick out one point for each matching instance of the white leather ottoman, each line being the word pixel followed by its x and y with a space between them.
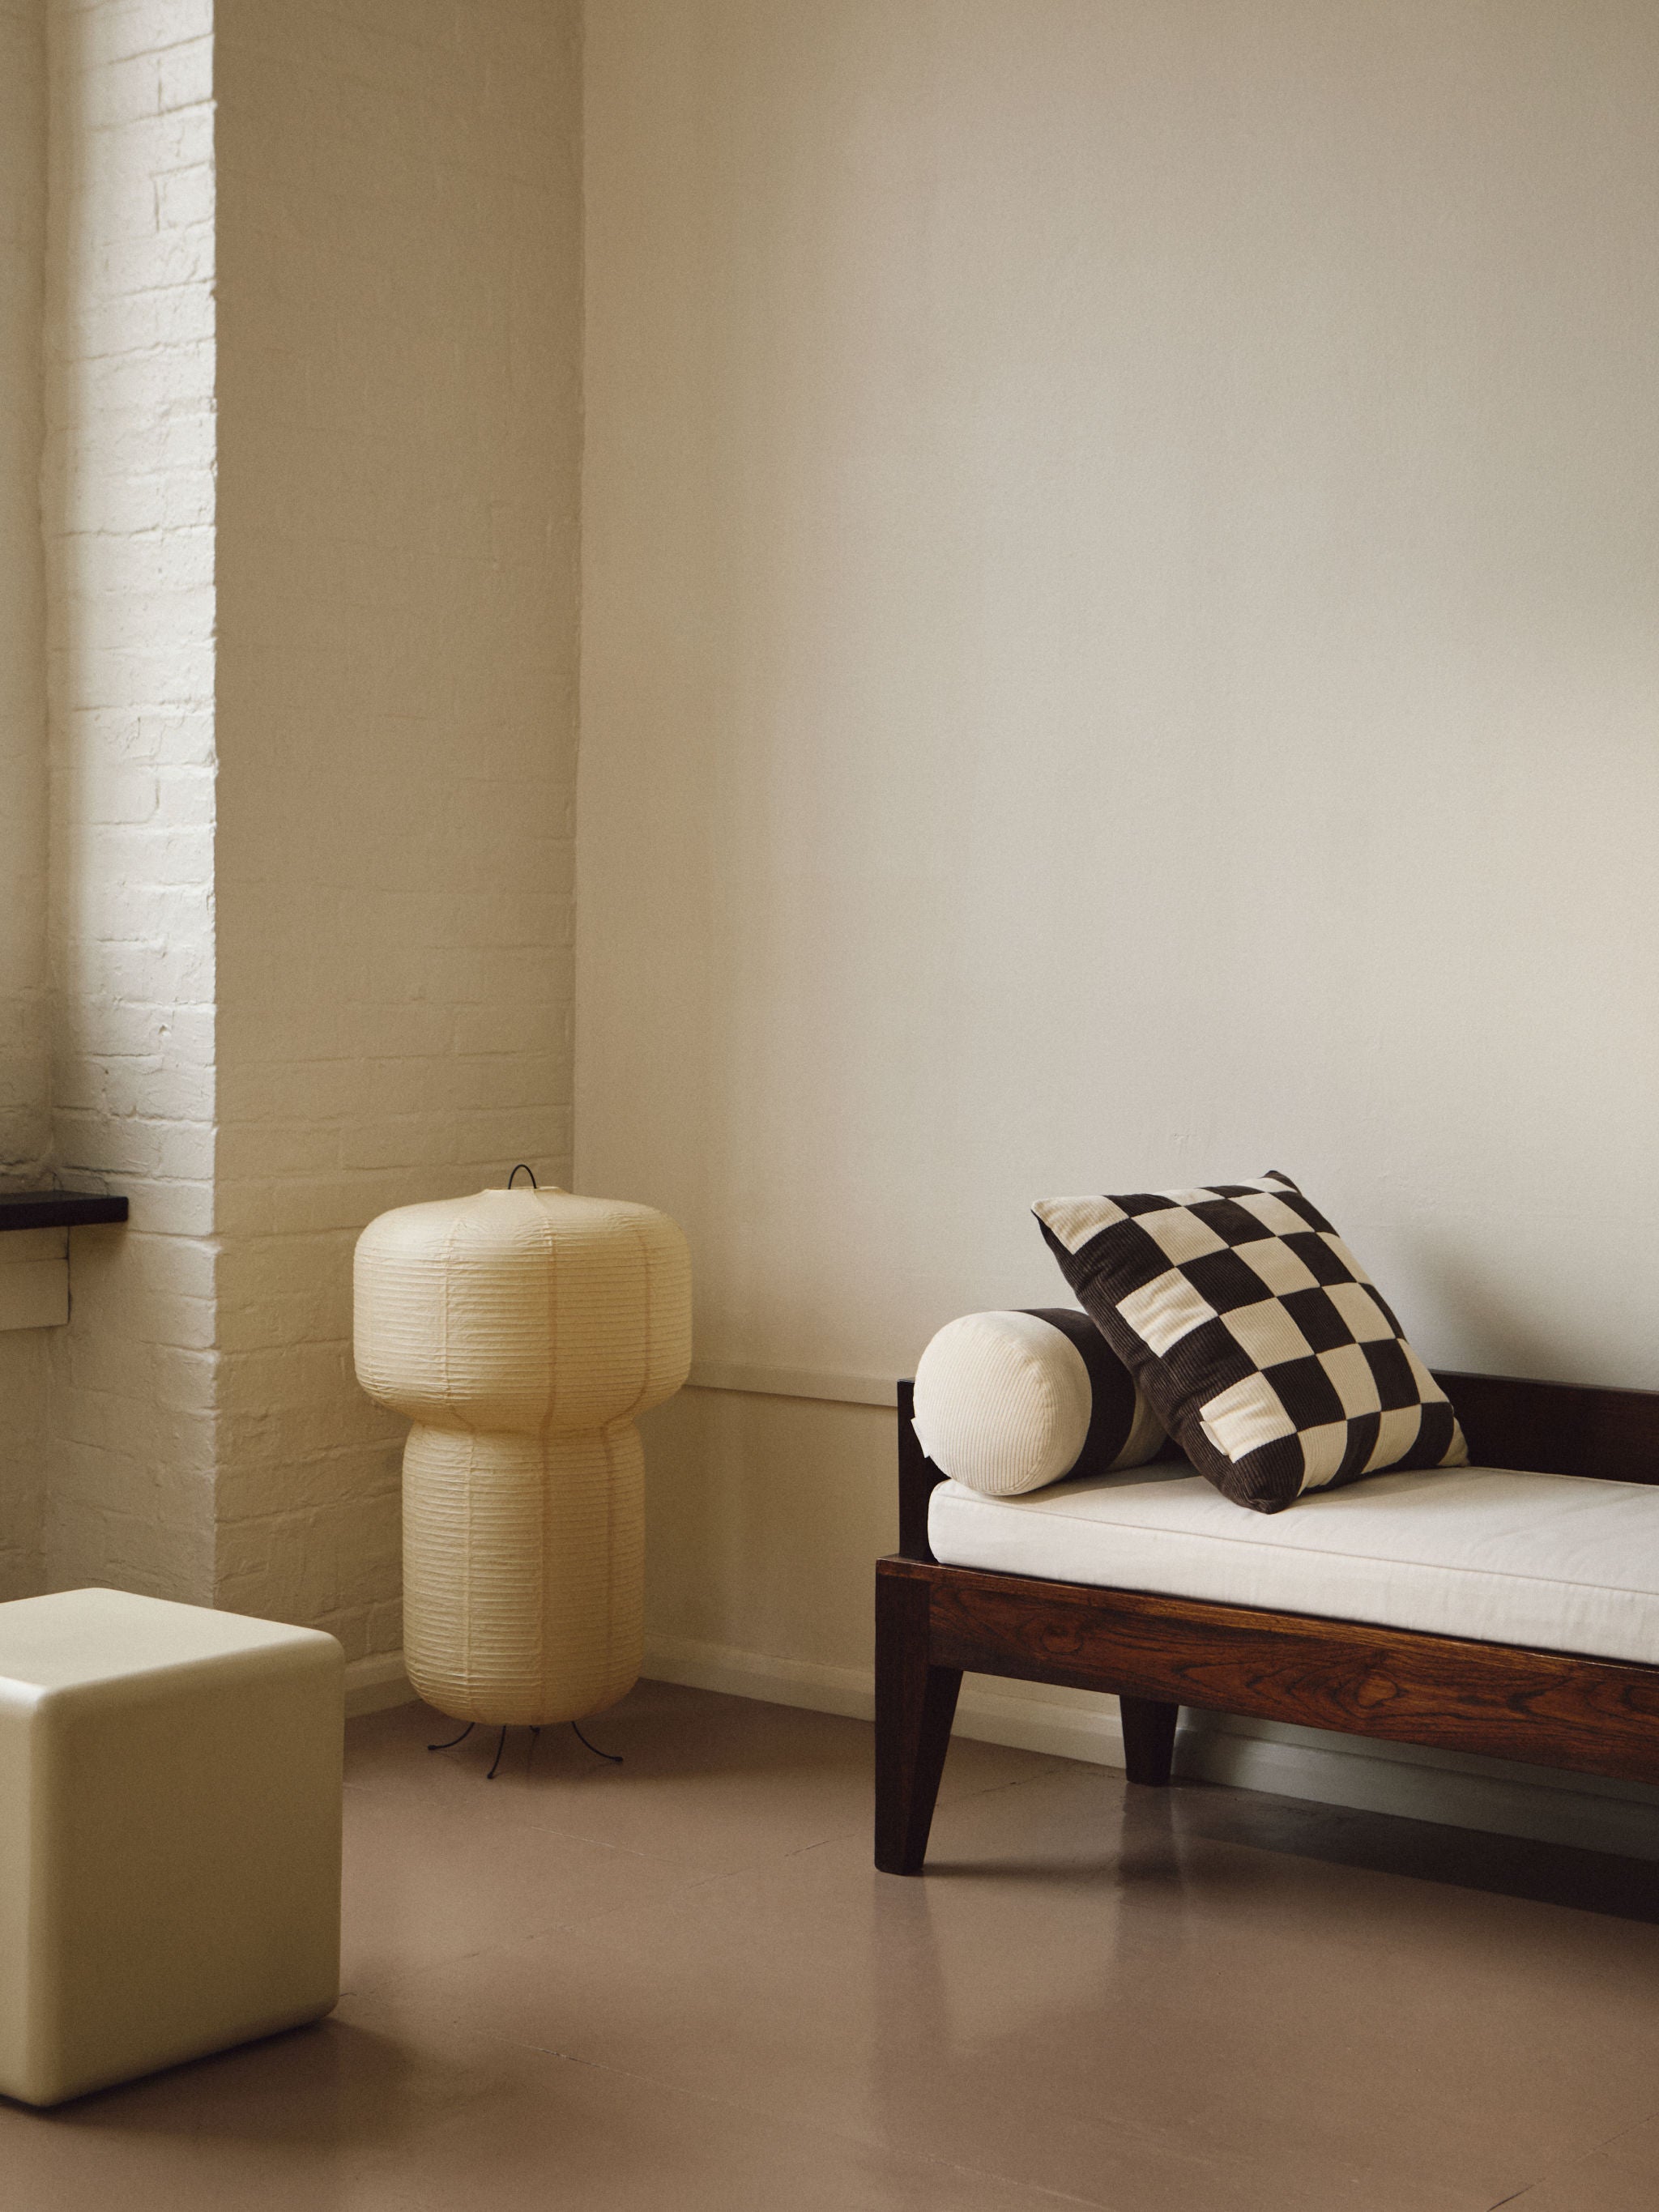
pixel 169 1835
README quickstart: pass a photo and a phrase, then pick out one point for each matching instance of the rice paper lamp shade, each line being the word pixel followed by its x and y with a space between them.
pixel 522 1332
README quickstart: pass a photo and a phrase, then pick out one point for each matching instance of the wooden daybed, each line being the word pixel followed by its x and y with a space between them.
pixel 1551 1708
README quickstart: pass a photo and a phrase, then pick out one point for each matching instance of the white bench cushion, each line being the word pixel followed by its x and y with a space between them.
pixel 1552 1561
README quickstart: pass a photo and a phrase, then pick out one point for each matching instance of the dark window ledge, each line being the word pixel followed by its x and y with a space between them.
pixel 58 1209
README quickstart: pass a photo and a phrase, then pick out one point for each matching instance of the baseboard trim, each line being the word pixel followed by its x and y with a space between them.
pixel 794 1382
pixel 1493 1796
pixel 374 1684
pixel 774 1681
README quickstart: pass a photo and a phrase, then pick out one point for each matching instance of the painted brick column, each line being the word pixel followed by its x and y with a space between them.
pixel 311 489
pixel 25 1084
pixel 399 340
pixel 128 510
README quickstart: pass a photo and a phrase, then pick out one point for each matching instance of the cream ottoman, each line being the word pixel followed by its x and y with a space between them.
pixel 169 1835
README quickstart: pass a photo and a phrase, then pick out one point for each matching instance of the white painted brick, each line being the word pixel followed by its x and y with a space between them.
pixel 154 260
pixel 163 1090
pixel 25 1129
pixel 179 737
pixel 129 451
pixel 517 1133
pixel 176 315
pixel 178 1206
pixel 313 1203
pixel 112 791
pixel 287 1148
pixel 134 88
pixel 159 855
pixel 402 1025
pixel 34 1293
pixel 163 1152
pixel 115 910
pixel 407 1140
pixel 185 75
pixel 175 1381
pixel 140 1311
pixel 131 1146
pixel 147 570
pixel 111 35
pixel 338 979
pixel 185 198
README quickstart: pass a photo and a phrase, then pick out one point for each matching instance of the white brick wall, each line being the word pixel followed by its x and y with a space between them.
pixel 312 424
pixel 127 509
pixel 24 1086
pixel 23 1448
pixel 24 1132
pixel 399 331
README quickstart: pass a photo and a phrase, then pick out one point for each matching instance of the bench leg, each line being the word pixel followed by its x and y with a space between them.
pixel 914 1706
pixel 1149 1729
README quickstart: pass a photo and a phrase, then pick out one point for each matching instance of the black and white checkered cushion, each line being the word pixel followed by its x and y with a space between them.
pixel 1262 1343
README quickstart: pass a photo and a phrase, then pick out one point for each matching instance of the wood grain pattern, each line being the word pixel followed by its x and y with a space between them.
pixel 1591 1715
pixel 1560 1428
pixel 915 1704
pixel 1149 1734
pixel 1551 1708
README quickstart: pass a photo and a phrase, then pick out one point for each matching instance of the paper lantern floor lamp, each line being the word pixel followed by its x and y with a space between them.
pixel 522 1332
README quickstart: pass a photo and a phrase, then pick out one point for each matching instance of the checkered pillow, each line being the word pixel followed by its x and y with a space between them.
pixel 1260 1341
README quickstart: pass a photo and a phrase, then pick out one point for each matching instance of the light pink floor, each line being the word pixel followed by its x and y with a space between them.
pixel 679 1984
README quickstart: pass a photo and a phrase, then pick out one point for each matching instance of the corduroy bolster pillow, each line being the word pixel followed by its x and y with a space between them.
pixel 1006 1402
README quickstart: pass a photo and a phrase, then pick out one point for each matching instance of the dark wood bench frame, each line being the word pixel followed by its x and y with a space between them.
pixel 935 1623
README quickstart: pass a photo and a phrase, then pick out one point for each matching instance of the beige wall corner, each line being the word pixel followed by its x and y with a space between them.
pixel 398 388
pixel 764 1518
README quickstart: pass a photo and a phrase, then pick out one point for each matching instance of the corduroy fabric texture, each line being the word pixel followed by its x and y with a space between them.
pixel 522 1332
pixel 1272 1356
pixel 1008 1402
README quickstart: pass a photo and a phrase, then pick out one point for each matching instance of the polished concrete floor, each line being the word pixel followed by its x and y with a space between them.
pixel 679 1984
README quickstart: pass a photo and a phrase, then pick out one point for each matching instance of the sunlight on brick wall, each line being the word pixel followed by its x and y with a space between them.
pixel 289 753
pixel 127 509
pixel 25 1135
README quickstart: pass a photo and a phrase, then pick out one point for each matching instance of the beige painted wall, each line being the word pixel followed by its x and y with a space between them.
pixel 399 320
pixel 1118 579
pixel 24 1079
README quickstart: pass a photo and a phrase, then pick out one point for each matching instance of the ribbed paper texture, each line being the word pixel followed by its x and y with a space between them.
pixel 521 1332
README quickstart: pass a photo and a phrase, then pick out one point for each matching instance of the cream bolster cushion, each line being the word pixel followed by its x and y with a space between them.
pixel 1008 1402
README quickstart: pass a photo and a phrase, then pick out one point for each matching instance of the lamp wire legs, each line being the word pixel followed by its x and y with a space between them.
pixel 614 1758
pixel 611 1757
